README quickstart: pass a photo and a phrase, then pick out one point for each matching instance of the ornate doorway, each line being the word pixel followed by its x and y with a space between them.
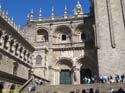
pixel 65 67
pixel 65 77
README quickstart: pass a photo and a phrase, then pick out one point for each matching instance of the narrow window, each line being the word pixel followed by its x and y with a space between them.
pixel 63 37
pixel 38 59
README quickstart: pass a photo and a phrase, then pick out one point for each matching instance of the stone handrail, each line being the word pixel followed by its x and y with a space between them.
pixel 24 88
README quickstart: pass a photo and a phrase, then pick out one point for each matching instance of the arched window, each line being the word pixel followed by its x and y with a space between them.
pixel 63 37
pixel 38 59
pixel 42 35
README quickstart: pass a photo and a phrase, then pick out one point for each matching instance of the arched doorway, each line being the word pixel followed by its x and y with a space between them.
pixel 65 66
pixel 65 77
pixel 1 87
pixel 88 69
pixel 85 73
pixel 12 89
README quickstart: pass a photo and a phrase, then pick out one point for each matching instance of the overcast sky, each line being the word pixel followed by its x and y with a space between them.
pixel 18 9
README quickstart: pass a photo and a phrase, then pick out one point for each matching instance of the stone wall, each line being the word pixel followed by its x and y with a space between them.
pixel 110 36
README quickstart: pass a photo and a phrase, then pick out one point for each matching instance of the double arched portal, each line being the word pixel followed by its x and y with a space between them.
pixel 74 71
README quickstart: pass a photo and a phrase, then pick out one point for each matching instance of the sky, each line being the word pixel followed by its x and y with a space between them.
pixel 19 9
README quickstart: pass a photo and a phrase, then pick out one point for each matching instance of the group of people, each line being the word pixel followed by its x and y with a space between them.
pixel 38 81
pixel 97 90
pixel 33 87
pixel 104 79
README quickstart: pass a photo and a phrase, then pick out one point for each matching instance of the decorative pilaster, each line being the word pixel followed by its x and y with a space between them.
pixel 110 24
pixel 96 26
pixel 77 76
pixel 123 10
pixel 96 36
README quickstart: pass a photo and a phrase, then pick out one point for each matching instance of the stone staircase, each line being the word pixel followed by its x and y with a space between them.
pixel 104 88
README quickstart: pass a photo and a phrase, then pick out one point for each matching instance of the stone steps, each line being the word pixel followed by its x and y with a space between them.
pixel 68 88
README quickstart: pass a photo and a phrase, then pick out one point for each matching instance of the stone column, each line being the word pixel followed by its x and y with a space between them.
pixel 110 24
pixel 18 50
pixel 8 43
pixel 76 75
pixel 1 41
pixel 13 47
pixel 56 76
pixel 21 54
pixel 28 55
pixel 30 59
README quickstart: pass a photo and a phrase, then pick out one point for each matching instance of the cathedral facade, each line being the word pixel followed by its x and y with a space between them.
pixel 64 50
pixel 64 46
pixel 69 48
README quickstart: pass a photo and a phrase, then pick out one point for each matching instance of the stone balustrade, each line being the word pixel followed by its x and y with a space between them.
pixel 14 47
pixel 12 41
